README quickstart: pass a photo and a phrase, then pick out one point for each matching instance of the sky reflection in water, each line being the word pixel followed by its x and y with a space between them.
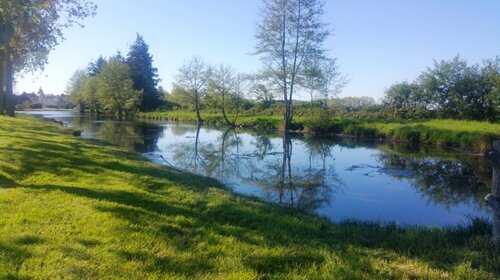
pixel 338 179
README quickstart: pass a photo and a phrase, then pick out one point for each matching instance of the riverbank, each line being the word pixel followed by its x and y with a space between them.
pixel 470 136
pixel 78 208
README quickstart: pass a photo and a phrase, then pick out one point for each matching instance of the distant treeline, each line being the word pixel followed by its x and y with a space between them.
pixel 123 86
pixel 118 85
pixel 451 89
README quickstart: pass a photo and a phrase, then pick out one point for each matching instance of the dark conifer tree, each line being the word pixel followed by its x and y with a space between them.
pixel 95 68
pixel 143 73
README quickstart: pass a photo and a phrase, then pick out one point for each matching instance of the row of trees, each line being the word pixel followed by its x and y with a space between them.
pixel 29 30
pixel 119 85
pixel 290 42
pixel 221 87
pixel 451 89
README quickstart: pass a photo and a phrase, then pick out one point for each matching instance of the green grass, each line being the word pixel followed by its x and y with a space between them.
pixel 81 209
pixel 468 135
pixel 258 122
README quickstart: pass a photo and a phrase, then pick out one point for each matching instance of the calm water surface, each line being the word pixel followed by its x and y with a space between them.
pixel 338 179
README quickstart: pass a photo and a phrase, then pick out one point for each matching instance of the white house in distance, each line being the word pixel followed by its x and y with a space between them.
pixel 41 100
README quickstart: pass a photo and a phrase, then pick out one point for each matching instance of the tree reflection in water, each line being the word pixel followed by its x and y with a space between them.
pixel 132 136
pixel 287 183
pixel 441 181
pixel 187 154
pixel 307 189
pixel 300 172
pixel 271 170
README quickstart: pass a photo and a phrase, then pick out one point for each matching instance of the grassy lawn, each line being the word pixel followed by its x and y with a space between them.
pixel 259 122
pixel 465 134
pixel 74 208
pixel 468 135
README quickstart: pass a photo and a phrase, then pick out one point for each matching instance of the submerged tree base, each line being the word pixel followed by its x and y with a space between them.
pixel 74 208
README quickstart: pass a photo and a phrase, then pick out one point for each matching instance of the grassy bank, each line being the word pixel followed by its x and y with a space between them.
pixel 74 208
pixel 258 122
pixel 468 135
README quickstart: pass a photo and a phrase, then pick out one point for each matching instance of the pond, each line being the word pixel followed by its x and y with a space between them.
pixel 336 178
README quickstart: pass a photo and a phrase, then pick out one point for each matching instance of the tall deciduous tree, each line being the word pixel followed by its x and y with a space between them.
pixel 289 35
pixel 115 89
pixel 225 87
pixel 192 81
pixel 144 75
pixel 332 81
pixel 29 31
pixel 89 95
pixel 314 80
pixel 263 94
pixel 74 88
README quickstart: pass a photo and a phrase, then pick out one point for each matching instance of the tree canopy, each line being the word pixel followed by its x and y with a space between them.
pixel 192 80
pixel 30 30
pixel 290 35
pixel 115 89
pixel 450 89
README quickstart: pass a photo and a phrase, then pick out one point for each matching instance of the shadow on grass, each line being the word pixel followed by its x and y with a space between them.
pixel 28 240
pixel 247 220
pixel 276 227
pixel 11 257
pixel 6 182
pixel 185 266
pixel 139 202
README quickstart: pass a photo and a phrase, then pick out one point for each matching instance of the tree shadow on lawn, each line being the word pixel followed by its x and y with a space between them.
pixel 137 200
pixel 299 236
pixel 60 160
pixel 186 266
pixel 11 257
pixel 6 182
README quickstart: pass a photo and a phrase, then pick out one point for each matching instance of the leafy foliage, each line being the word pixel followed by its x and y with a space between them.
pixel 111 90
pixel 192 82
pixel 289 36
pixel 225 91
pixel 451 89
pixel 30 29
pixel 115 89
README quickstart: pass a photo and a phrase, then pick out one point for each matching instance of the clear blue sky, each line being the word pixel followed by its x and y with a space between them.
pixel 376 42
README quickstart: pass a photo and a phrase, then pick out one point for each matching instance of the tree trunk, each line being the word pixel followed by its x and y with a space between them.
pixel 493 199
pixel 197 107
pixel 288 115
pixel 237 111
pixel 296 64
pixel 2 90
pixel 9 77
pixel 286 126
pixel 312 102
pixel 224 111
pixel 2 67
pixel 198 128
